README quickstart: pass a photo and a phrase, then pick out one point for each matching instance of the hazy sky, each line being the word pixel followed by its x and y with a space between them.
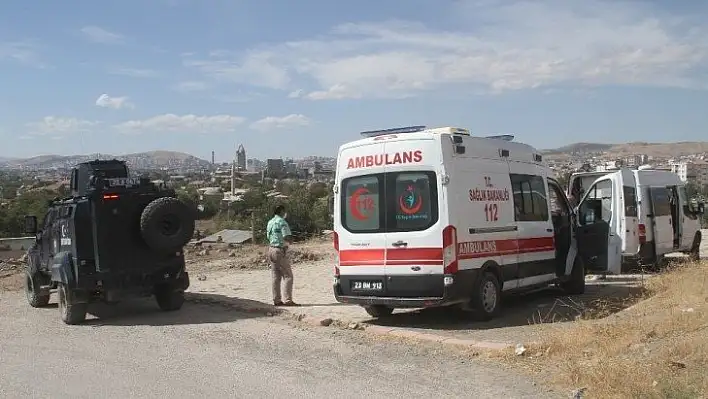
pixel 292 78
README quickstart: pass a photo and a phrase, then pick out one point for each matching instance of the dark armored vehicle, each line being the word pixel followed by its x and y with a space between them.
pixel 115 236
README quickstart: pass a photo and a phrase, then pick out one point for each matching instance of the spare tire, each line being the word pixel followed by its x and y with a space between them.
pixel 166 224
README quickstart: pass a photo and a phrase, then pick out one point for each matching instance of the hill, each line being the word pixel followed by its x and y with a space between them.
pixel 659 150
pixel 150 159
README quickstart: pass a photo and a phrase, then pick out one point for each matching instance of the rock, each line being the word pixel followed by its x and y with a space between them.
pixel 201 277
pixel 269 314
pixel 519 350
pixel 326 322
pixel 578 393
pixel 23 258
pixel 354 326
pixel 232 254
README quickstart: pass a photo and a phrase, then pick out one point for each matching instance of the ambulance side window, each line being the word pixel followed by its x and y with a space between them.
pixel 361 211
pixel 530 199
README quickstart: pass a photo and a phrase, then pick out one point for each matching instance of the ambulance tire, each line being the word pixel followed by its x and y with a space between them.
pixel 575 285
pixel 486 298
pixel 378 310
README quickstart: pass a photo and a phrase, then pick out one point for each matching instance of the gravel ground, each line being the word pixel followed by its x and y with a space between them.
pixel 132 350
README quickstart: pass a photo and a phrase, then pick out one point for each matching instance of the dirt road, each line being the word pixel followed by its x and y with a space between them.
pixel 132 350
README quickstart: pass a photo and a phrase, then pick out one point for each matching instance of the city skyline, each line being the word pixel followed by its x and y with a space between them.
pixel 190 76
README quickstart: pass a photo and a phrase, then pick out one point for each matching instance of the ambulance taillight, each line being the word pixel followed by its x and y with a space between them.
pixel 450 249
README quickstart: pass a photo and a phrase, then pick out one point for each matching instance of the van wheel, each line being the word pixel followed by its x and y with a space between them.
pixel 71 313
pixel 486 299
pixel 33 290
pixel 575 285
pixel 378 310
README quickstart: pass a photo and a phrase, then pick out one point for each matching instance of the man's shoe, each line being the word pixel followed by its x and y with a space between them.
pixel 290 303
pixel 277 303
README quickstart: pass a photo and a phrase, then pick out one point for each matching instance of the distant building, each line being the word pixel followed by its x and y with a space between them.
pixel 636 160
pixel 241 158
pixel 275 167
pixel 693 172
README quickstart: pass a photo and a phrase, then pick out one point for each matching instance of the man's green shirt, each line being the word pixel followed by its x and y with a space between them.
pixel 277 230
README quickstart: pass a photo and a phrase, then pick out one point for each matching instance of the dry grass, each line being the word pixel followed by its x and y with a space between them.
pixel 655 349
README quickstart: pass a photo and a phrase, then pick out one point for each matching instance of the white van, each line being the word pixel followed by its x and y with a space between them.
pixel 432 217
pixel 631 216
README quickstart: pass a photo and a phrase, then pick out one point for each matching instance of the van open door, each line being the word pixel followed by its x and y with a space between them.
pixel 628 215
pixel 596 237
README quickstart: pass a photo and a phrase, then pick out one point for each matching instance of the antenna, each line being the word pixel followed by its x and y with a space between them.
pixel 505 137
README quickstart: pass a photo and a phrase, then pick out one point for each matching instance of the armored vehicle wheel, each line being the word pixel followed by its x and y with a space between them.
pixel 71 313
pixel 33 290
pixel 166 224
pixel 168 299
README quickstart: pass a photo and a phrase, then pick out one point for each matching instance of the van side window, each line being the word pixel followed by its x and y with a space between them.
pixel 360 206
pixel 683 194
pixel 630 201
pixel 530 200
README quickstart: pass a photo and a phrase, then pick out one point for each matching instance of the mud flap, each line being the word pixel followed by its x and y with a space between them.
pixel 64 272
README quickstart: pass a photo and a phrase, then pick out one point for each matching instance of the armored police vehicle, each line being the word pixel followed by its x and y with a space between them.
pixel 115 236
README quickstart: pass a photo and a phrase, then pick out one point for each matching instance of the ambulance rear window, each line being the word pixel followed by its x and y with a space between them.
pixel 390 202
pixel 412 199
pixel 360 204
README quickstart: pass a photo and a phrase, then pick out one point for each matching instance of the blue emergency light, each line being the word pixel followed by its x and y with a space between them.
pixel 395 130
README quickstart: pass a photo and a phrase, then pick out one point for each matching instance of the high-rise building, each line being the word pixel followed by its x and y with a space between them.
pixel 241 157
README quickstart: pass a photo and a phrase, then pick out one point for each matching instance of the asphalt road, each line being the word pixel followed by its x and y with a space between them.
pixel 133 350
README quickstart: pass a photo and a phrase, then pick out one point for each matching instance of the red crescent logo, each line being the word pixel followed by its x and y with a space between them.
pixel 354 203
pixel 410 211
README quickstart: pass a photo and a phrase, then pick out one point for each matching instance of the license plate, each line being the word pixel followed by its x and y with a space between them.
pixel 367 285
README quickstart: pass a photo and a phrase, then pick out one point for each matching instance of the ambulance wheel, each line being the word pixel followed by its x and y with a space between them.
pixel 378 310
pixel 575 285
pixel 486 300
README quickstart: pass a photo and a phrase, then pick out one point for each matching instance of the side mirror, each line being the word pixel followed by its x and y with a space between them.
pixel 31 225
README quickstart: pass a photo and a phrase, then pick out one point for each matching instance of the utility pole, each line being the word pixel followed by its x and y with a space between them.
pixel 253 227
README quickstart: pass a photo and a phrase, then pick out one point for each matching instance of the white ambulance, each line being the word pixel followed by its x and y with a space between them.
pixel 634 216
pixel 434 217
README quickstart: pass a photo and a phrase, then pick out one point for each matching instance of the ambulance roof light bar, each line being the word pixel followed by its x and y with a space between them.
pixel 396 130
pixel 505 137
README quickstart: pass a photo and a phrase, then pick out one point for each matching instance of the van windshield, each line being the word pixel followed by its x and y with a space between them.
pixel 389 202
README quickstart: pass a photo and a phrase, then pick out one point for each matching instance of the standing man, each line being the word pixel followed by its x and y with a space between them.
pixel 279 237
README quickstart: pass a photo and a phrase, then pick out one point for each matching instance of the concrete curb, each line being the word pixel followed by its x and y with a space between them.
pixel 250 306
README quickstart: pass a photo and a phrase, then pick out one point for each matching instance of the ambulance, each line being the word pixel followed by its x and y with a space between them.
pixel 427 217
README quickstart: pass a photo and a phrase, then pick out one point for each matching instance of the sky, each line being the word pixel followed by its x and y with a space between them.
pixel 292 79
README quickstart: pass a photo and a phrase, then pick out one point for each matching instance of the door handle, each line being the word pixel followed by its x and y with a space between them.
pixel 400 244
pixel 549 230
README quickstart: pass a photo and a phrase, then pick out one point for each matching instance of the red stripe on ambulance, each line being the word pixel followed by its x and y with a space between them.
pixel 434 256
pixel 490 248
